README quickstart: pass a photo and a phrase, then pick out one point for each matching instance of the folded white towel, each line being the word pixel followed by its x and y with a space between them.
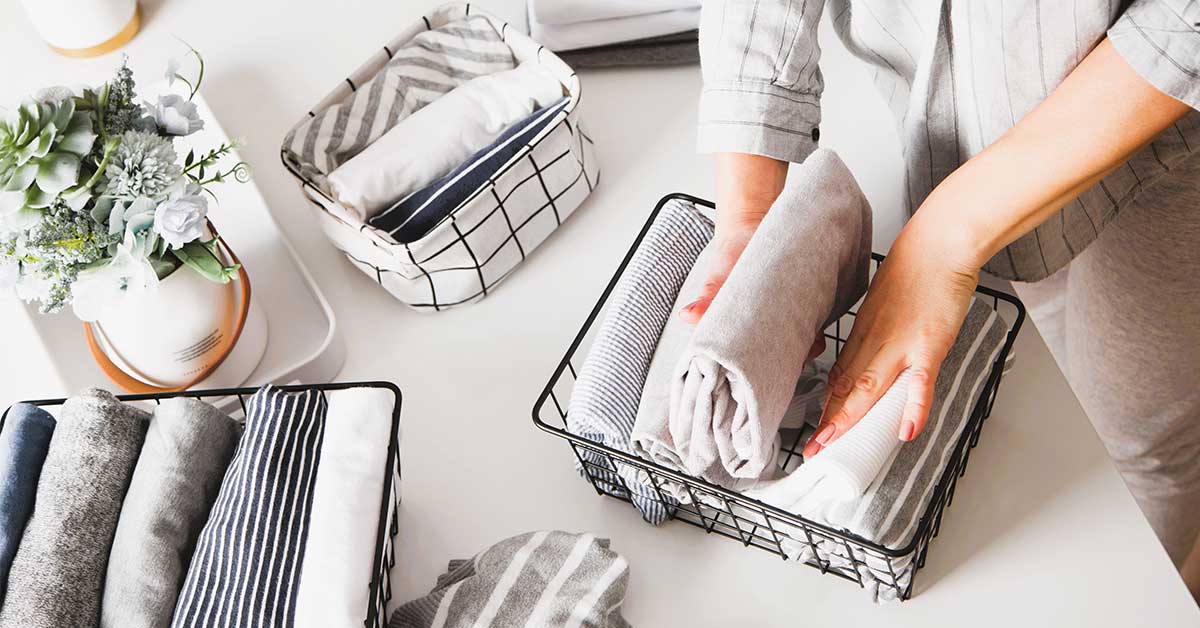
pixel 441 136
pixel 340 551
pixel 613 30
pixel 575 11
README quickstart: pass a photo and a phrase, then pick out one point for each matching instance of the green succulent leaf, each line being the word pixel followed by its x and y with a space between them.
pixel 197 256
pixel 79 137
pixel 35 198
pixel 58 172
pixel 22 177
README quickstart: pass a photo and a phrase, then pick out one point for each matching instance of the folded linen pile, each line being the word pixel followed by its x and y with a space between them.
pixel 433 63
pixel 573 25
pixel 533 579
pixel 717 394
pixel 23 447
pixel 179 471
pixel 58 573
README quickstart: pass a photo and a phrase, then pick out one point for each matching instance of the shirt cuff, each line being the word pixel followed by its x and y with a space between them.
pixel 1162 44
pixel 759 119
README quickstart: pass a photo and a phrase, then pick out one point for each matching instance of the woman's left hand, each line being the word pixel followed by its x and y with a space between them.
pixel 909 319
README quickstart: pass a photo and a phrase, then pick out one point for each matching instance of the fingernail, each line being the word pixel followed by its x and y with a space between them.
pixel 689 306
pixel 906 430
pixel 825 434
pixel 811 449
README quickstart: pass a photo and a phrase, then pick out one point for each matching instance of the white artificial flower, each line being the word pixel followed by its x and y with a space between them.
pixel 10 273
pixel 32 286
pixel 14 216
pixel 175 115
pixel 172 72
pixel 127 275
pixel 181 218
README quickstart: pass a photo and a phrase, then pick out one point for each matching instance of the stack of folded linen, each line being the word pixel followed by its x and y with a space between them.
pixel 612 33
pixel 114 517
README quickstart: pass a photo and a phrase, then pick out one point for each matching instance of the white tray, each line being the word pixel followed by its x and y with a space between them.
pixel 304 343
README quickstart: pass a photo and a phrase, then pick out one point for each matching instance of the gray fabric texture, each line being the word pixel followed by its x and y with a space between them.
pixel 674 49
pixel 604 400
pixel 731 385
pixel 1134 294
pixel 188 446
pixel 24 443
pixel 534 579
pixel 58 573
pixel 957 76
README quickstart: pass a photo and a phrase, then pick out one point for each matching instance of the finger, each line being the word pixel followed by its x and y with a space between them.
pixel 694 311
pixel 817 348
pixel 921 380
pixel 865 386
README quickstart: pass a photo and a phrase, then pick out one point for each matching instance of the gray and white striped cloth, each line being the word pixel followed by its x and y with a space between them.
pixel 957 76
pixel 533 580
pixel 246 567
pixel 890 510
pixel 604 401
pixel 432 64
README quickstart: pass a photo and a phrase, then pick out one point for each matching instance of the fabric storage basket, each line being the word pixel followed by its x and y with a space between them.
pixel 493 230
pixel 233 402
pixel 721 511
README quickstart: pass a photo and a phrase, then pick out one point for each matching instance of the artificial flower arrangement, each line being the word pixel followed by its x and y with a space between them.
pixel 96 205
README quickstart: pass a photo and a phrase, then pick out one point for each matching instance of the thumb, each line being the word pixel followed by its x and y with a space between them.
pixel 726 256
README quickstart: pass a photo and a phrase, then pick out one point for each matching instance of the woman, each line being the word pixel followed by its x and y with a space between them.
pixel 1050 142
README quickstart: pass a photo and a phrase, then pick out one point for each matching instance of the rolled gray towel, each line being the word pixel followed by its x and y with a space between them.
pixel 178 474
pixel 58 572
pixel 730 387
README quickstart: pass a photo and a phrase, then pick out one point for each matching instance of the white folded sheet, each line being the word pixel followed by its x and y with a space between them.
pixel 613 30
pixel 439 137
pixel 347 494
pixel 575 11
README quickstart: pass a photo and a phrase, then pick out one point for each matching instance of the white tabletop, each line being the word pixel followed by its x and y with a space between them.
pixel 1042 531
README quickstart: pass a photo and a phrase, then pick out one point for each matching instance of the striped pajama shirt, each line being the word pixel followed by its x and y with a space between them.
pixel 957 76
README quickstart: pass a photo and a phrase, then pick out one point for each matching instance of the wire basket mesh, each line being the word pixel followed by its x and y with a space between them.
pixel 232 401
pixel 889 571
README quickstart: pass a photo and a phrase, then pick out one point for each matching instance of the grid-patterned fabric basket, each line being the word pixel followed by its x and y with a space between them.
pixel 233 402
pixel 497 226
pixel 721 511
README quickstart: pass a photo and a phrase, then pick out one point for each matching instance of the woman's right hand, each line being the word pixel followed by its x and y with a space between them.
pixel 747 186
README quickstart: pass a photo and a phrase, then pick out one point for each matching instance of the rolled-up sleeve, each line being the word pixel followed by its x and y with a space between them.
pixel 762 86
pixel 1160 39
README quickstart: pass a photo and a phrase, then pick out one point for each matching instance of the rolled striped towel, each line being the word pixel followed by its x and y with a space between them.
pixel 246 566
pixel 433 63
pixel 535 579
pixel 604 401
pixel 58 573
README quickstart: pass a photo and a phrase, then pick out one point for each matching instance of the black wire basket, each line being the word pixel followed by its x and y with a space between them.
pixel 233 402
pixel 721 511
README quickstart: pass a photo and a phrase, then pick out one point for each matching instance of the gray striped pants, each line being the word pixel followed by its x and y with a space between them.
pixel 1123 322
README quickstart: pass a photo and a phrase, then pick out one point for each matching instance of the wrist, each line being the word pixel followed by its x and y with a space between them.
pixel 950 234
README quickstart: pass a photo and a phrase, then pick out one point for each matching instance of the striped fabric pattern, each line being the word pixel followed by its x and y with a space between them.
pixel 531 580
pixel 604 401
pixel 957 76
pixel 418 213
pixel 431 65
pixel 246 565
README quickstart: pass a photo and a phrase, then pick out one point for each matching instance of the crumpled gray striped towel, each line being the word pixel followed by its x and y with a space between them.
pixel 533 580
pixel 433 63
pixel 58 573
pixel 890 510
pixel 604 401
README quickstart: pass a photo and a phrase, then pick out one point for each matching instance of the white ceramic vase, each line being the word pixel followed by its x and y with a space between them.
pixel 168 336
pixel 84 28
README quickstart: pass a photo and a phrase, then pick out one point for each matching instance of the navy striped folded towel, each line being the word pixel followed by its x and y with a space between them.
pixel 418 213
pixel 534 579
pixel 246 567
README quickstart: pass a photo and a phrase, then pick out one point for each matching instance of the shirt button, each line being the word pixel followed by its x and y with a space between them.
pixel 816 134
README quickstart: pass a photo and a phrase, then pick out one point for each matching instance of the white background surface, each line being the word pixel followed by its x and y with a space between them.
pixel 1041 532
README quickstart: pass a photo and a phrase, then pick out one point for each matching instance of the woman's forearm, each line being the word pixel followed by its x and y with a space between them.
pixel 747 185
pixel 1088 126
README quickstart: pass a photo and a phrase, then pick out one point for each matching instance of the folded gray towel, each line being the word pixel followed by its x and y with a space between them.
pixel 730 388
pixel 534 579
pixel 58 573
pixel 23 446
pixel 673 49
pixel 188 447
